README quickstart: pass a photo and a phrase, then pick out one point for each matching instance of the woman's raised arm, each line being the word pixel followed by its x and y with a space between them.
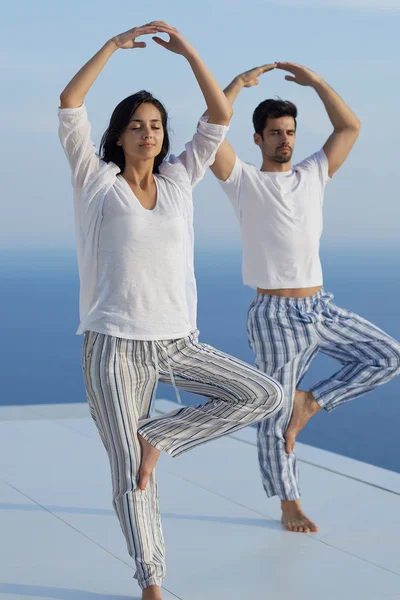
pixel 218 107
pixel 75 92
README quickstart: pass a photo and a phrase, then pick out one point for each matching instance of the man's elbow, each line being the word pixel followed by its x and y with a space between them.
pixel 354 125
pixel 357 124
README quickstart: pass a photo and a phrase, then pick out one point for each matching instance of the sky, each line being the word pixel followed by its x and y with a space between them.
pixel 351 43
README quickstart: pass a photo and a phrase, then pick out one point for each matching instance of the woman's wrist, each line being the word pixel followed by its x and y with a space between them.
pixel 192 55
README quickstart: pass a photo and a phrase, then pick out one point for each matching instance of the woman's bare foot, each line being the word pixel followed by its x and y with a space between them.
pixel 150 456
pixel 293 518
pixel 153 592
pixel 304 407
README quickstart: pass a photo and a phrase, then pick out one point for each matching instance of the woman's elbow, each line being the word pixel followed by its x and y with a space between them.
pixel 222 118
pixel 68 101
pixel 229 114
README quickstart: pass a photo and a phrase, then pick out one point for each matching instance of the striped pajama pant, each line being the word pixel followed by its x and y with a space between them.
pixel 120 377
pixel 286 334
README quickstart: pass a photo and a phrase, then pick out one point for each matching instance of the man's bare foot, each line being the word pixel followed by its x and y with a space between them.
pixel 150 456
pixel 293 518
pixel 153 592
pixel 304 407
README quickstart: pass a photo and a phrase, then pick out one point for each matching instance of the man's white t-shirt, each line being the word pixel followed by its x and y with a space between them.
pixel 135 265
pixel 280 216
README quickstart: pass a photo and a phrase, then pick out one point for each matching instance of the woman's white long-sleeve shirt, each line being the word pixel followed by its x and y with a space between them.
pixel 136 266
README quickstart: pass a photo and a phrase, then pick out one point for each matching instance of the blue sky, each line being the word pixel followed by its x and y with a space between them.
pixel 351 43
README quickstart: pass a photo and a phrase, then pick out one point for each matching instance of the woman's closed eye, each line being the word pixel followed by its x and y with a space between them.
pixel 138 128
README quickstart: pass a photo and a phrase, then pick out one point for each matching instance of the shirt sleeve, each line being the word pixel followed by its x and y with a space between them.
pixel 318 164
pixel 75 136
pixel 232 185
pixel 200 152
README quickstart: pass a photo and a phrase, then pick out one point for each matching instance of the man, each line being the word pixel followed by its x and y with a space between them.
pixel 292 318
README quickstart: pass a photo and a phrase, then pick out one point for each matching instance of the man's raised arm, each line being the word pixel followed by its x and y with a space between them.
pixel 346 126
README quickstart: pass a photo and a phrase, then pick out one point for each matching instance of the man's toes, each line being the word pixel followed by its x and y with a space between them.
pixel 286 525
pixel 310 527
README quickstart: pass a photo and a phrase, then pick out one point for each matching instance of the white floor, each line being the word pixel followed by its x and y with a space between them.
pixel 60 538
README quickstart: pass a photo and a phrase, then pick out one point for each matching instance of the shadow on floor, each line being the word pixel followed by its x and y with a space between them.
pixel 32 591
pixel 72 510
pixel 261 522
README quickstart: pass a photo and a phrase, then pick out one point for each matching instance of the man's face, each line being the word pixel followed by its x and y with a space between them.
pixel 277 141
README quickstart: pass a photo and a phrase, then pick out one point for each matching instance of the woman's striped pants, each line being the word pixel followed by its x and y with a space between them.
pixel 120 377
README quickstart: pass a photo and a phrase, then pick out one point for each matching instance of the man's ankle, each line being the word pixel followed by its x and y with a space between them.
pixel 290 503
pixel 313 401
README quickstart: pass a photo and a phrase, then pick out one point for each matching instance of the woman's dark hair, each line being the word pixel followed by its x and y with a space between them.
pixel 109 150
pixel 273 109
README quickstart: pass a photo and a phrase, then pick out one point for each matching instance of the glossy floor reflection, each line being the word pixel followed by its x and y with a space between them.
pixel 60 538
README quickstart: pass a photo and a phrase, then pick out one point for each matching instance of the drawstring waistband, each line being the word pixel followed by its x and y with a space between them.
pixel 154 346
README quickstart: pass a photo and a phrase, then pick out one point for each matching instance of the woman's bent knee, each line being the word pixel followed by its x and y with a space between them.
pixel 274 396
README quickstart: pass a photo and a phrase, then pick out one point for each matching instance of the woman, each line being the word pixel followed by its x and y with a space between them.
pixel 134 226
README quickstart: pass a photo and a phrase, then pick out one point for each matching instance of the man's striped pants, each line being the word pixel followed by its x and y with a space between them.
pixel 286 334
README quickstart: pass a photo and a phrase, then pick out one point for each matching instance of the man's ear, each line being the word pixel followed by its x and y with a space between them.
pixel 258 139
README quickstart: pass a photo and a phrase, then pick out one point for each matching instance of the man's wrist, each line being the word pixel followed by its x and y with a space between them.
pixel 111 45
pixel 235 85
pixel 238 82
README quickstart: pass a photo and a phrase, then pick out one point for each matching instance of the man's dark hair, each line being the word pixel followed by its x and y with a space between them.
pixel 273 109
pixel 109 150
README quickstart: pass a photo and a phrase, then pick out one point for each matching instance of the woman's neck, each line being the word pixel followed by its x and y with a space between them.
pixel 139 174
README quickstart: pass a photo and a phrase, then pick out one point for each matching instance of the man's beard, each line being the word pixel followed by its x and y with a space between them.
pixel 281 158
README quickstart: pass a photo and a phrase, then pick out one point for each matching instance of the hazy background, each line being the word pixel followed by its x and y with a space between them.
pixel 352 44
